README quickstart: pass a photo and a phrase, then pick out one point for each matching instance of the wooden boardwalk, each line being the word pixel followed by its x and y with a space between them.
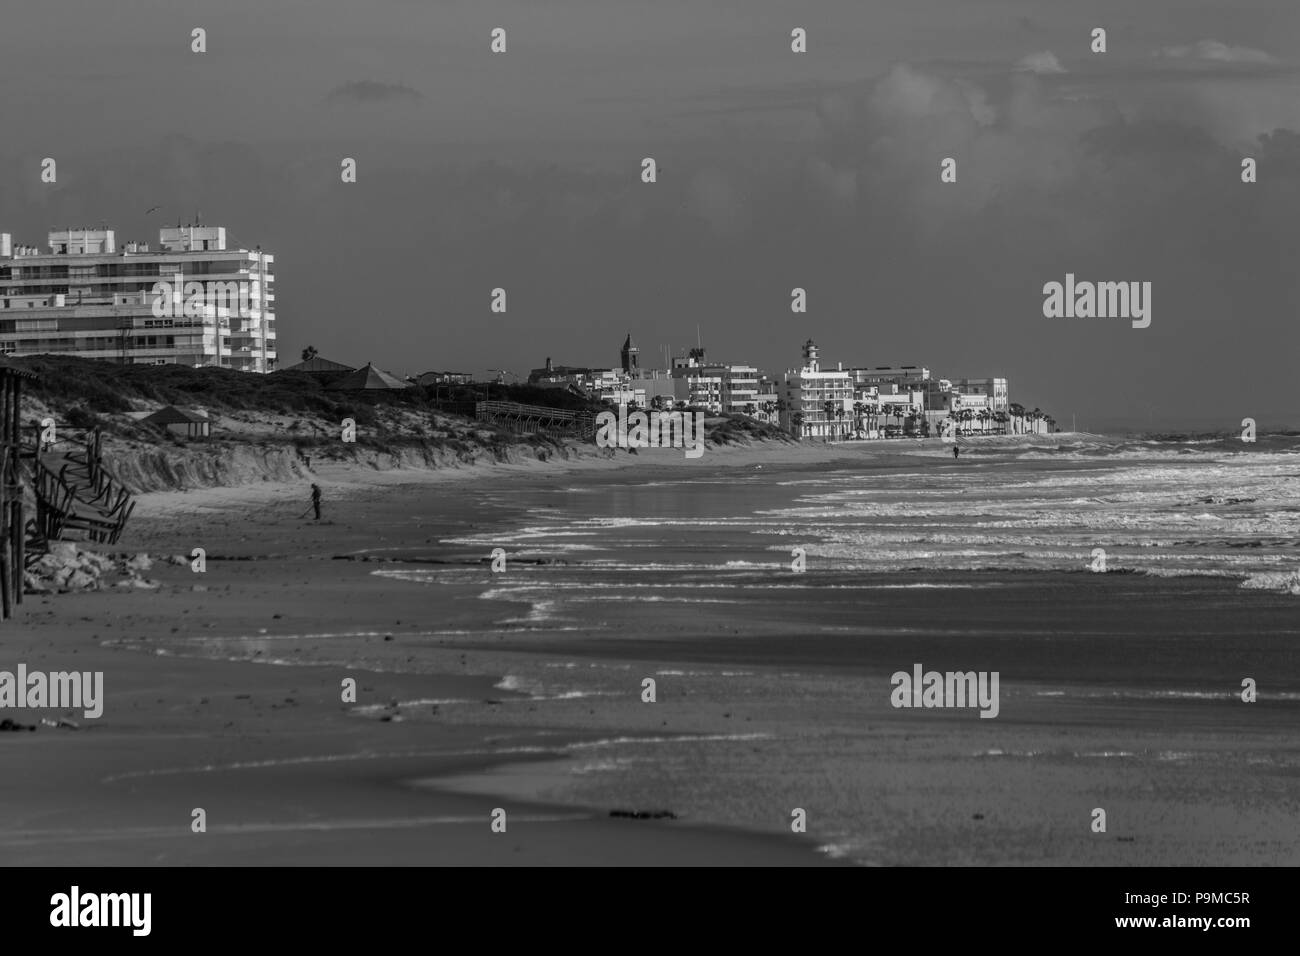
pixel 76 493
pixel 536 419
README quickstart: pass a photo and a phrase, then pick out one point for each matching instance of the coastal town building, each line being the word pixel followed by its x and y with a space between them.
pixel 883 401
pixel 893 400
pixel 994 389
pixel 696 383
pixel 658 387
pixel 740 390
pixel 817 403
pixel 195 300
pixel 581 377
pixel 629 355
pixel 430 379
pixel 891 378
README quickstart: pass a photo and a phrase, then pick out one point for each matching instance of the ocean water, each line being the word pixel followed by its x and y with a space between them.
pixel 1197 507
pixel 777 681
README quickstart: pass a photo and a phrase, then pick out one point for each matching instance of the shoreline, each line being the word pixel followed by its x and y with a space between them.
pixel 355 478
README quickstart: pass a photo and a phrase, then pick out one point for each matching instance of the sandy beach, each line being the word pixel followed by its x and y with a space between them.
pixel 523 690
pixel 285 773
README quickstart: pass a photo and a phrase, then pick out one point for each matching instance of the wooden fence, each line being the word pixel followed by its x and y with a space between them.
pixel 13 524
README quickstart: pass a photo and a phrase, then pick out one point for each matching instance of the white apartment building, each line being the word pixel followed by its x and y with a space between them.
pixel 806 393
pixel 613 387
pixel 82 295
pixel 891 378
pixel 994 390
pixel 740 390
pixel 696 383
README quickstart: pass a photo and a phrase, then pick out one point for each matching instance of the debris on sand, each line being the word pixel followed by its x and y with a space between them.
pixel 62 722
pixel 67 567
pixel 644 814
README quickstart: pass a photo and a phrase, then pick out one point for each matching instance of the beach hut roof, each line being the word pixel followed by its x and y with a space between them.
pixel 368 377
pixel 171 415
pixel 318 364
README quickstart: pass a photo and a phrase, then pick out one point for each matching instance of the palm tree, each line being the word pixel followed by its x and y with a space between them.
pixel 309 353
pixel 857 418
pixel 751 409
pixel 984 417
pixel 1037 416
pixel 829 408
pixel 1018 417
pixel 796 421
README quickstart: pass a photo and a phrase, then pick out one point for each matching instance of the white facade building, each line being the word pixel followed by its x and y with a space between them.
pixel 807 391
pixel 82 295
pixel 696 383
pixel 740 390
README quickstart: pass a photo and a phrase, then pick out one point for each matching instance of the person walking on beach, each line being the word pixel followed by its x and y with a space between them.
pixel 955 452
pixel 315 499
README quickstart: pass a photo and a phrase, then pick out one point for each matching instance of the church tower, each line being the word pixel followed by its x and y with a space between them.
pixel 629 355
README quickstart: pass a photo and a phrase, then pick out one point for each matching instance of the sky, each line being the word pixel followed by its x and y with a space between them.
pixel 776 170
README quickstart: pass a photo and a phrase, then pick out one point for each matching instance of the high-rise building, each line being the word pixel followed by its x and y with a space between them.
pixel 194 301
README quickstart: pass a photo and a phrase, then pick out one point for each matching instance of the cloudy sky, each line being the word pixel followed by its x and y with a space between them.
pixel 776 170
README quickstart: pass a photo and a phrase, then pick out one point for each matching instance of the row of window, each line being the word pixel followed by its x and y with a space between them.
pixel 127 269
pixel 103 344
